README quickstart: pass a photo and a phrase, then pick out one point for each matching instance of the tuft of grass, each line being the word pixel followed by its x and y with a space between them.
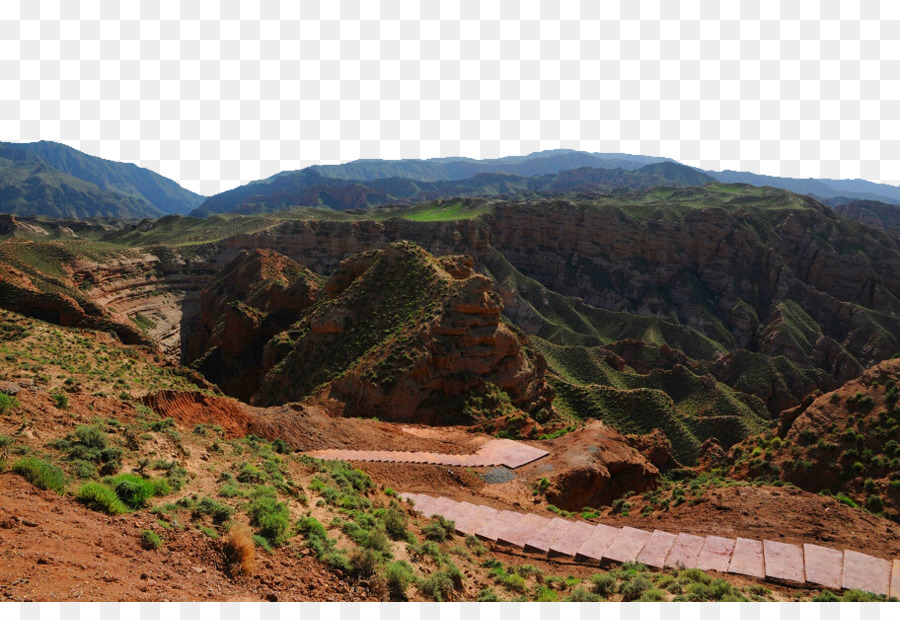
pixel 8 403
pixel 239 551
pixel 41 473
pixel 101 498
pixel 135 492
pixel 151 540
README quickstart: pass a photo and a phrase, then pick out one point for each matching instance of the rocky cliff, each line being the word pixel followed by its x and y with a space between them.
pixel 254 297
pixel 406 337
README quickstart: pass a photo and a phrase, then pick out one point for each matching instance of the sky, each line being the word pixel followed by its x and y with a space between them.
pixel 214 95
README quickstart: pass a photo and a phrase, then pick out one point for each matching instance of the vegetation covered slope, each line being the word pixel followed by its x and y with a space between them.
pixel 309 188
pixel 33 188
pixel 405 336
pixel 254 297
pixel 129 180
pixel 843 442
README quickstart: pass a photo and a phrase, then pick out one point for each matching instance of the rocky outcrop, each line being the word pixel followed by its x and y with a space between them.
pixel 592 467
pixel 406 337
pixel 45 299
pixel 156 291
pixel 842 441
pixel 254 297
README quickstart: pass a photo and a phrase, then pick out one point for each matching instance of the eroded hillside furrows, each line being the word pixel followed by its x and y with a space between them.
pixel 161 298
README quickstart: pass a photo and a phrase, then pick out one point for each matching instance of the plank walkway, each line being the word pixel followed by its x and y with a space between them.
pixel 583 541
pixel 494 453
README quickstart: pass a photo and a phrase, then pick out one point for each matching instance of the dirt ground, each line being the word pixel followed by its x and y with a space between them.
pixel 54 549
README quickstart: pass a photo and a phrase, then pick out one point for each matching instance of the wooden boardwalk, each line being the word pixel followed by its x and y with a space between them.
pixel 494 453
pixel 761 559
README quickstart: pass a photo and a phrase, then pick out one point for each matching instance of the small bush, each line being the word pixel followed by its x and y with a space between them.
pixel 239 551
pixel 8 403
pixel 439 529
pixel 633 589
pixel 251 474
pixel 151 540
pixel 580 595
pixel 604 584
pixel 338 561
pixel 101 498
pixel 439 586
pixel 41 473
pixel 364 562
pixel 652 595
pixel 488 595
pixel 399 575
pixel 874 503
pixel 263 544
pixel 394 522
pixel 220 513
pixel 135 492
pixel 61 400
pixel 271 517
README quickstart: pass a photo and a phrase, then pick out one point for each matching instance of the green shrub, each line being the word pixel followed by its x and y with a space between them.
pixel 632 589
pixel 41 473
pixel 338 561
pixel 61 400
pixel 100 497
pixel 262 543
pixel 399 575
pixel 135 492
pixel 439 586
pixel 652 595
pixel 376 540
pixel 874 503
pixel 90 443
pixel 251 474
pixel 364 563
pixel 546 595
pixel 394 522
pixel 8 403
pixel 207 506
pixel 150 540
pixel 580 595
pixel 439 529
pixel 84 469
pixel 488 595
pixel 270 516
pixel 604 584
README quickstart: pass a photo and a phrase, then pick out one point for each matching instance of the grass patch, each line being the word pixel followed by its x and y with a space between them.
pixel 41 473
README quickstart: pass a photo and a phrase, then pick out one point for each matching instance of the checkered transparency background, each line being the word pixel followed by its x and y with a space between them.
pixel 215 94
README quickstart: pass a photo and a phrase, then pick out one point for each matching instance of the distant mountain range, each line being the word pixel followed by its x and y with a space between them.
pixel 48 178
pixel 372 182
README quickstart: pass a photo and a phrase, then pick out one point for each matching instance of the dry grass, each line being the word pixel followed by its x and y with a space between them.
pixel 239 550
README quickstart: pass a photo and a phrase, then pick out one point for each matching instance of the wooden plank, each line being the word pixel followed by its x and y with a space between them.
pixel 895 579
